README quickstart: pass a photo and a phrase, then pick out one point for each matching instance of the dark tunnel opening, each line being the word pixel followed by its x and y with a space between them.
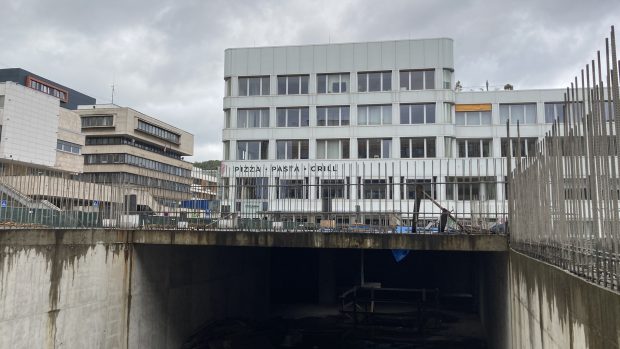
pixel 427 300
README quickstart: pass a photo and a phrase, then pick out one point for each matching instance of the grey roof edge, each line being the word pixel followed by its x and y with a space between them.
pixel 338 43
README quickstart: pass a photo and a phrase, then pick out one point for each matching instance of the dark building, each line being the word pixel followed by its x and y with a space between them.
pixel 69 98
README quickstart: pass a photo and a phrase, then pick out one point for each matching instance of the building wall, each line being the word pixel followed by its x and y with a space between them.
pixel 29 126
pixel 69 130
pixel 19 76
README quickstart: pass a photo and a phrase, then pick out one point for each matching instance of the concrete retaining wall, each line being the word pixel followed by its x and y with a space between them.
pixel 551 308
pixel 64 296
pixel 119 295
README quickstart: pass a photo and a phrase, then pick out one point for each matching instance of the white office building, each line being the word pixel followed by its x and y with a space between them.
pixel 347 131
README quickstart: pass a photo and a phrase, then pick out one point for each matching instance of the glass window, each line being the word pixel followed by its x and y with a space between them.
pixel 375 189
pixel 252 150
pixel 554 111
pixel 374 148
pixel 332 149
pixel 293 84
pixel 417 79
pixel 523 113
pixel 333 116
pixel 474 148
pixel 374 81
pixel 374 114
pixel 292 149
pixel 292 188
pixel 253 86
pixel 332 83
pixel 292 117
pixel 417 147
pixel 417 113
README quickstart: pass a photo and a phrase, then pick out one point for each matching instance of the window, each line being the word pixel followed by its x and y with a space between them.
pixel 447 79
pixel 408 188
pixel 252 118
pixel 374 148
pixel 332 116
pixel 473 118
pixel 292 149
pixel 528 146
pixel 125 140
pixel 523 113
pixel 293 117
pixel 332 149
pixel 417 113
pixel 158 132
pixel 374 114
pixel 252 150
pixel 471 188
pixel 226 150
pixel 332 83
pixel 334 189
pixel 374 81
pixel 68 147
pixel 293 84
pixel 227 87
pixel 254 86
pixel 417 79
pixel 292 188
pixel 252 188
pixel 1 101
pixel 93 159
pixel 554 111
pixel 474 148
pixel 226 118
pixel 375 189
pixel 97 121
pixel 417 147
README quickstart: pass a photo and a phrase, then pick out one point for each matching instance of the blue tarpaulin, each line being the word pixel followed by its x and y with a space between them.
pixel 399 255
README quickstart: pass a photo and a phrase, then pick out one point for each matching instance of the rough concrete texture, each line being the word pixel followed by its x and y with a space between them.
pixel 493 296
pixel 175 289
pixel 550 308
pixel 429 242
pixel 63 295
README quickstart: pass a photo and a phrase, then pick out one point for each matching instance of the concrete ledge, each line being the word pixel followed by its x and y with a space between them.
pixel 428 242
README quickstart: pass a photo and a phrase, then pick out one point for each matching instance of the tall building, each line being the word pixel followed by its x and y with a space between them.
pixel 35 131
pixel 69 98
pixel 127 147
pixel 352 129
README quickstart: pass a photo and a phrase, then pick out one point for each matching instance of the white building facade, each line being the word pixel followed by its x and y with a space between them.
pixel 347 131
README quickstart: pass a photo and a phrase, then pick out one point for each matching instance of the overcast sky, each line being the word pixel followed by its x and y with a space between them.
pixel 166 57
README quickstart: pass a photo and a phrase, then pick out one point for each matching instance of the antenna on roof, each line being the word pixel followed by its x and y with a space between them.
pixel 112 93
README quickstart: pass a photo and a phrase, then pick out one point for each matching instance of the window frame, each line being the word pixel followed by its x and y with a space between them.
pixel 263 152
pixel 341 148
pixel 261 118
pixel 299 117
pixel 300 84
pixel 382 82
pixel 427 141
pixel 300 146
pixel 409 79
pixel 326 110
pixel 323 87
pixel 510 107
pixel 261 85
pixel 466 150
pixel 382 149
pixel 409 106
pixel 382 108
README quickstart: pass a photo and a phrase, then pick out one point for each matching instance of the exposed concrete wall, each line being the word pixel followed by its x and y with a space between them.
pixel 551 308
pixel 175 289
pixel 493 301
pixel 69 296
pixel 59 292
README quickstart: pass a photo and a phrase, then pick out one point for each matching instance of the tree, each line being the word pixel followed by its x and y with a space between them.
pixel 208 165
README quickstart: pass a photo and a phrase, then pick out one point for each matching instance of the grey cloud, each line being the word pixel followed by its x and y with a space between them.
pixel 166 57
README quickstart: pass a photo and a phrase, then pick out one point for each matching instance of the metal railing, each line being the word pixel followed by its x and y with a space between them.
pixel 462 195
pixel 564 201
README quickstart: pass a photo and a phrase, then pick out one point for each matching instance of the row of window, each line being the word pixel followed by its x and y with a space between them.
pixel 418 113
pixel 134 179
pixel 158 132
pixel 423 79
pixel 457 188
pixel 118 140
pixel 97 121
pixel 68 147
pixel 94 159
pixel 376 148
pixel 336 116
